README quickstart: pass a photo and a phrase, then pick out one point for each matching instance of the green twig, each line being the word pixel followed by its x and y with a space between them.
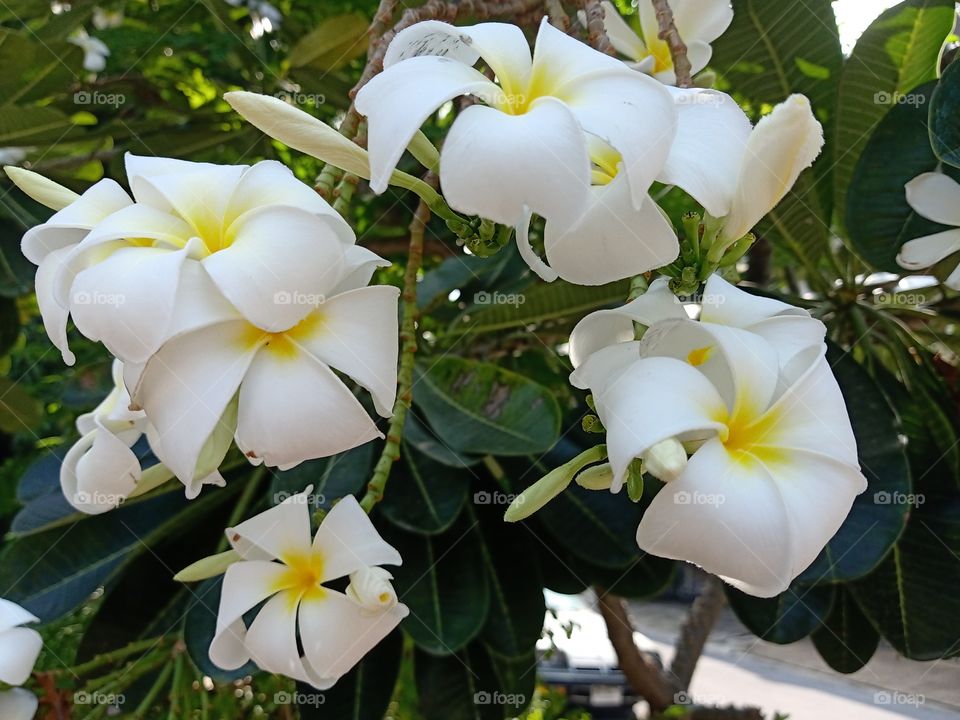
pixel 116 655
pixel 408 350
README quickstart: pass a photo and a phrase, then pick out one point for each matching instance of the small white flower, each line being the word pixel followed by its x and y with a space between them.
pixel 19 650
pixel 699 23
pixel 935 196
pixel 525 150
pixel 371 588
pixel 281 565
pixel 773 469
pixel 106 19
pixel 95 51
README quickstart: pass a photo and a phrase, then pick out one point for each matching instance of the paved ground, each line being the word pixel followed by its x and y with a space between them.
pixel 738 668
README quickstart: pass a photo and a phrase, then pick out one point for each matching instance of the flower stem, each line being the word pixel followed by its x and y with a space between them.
pixel 408 350
pixel 116 655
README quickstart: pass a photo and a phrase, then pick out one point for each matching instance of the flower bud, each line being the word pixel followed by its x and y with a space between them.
pixel 46 192
pixel 371 589
pixel 666 460
pixel 598 477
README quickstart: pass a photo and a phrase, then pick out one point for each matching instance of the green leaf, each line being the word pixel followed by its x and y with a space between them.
pixel 911 597
pixel 897 53
pixel 443 583
pixel 645 577
pixel 786 618
pixel 424 496
pixel 35 69
pixel 496 311
pixel 945 116
pixel 847 640
pixel 331 44
pixel 477 407
pixel 877 517
pixel 33 125
pixel 332 478
pixel 471 686
pixel 364 693
pixel 515 618
pixel 420 436
pixel 879 220
pixel 18 411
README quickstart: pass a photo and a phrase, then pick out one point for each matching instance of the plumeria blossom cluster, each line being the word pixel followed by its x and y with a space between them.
pixel 934 196
pixel 231 296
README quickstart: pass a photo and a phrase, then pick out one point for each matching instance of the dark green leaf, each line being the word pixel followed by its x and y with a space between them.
pixel 786 618
pixel 424 496
pixel 18 411
pixel 443 583
pixel 477 407
pixel 897 53
pixel 422 437
pixel 847 640
pixel 945 116
pixel 332 478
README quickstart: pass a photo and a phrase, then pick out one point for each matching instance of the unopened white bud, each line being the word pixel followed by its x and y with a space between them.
pixel 666 460
pixel 370 588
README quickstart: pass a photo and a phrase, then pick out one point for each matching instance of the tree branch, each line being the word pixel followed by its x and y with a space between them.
pixel 596 30
pixel 678 49
pixel 695 630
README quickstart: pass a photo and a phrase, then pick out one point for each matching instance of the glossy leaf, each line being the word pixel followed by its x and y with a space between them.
pixel 945 117
pixel 847 640
pixel 477 407
pixel 786 618
pixel 424 496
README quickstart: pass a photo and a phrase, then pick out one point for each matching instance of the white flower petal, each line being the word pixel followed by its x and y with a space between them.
pixel 622 36
pixel 502 46
pixel 700 20
pixel 726 304
pixel 936 197
pixel 192 189
pixel 495 165
pixel 278 266
pixel 18 704
pixel 631 112
pixel 781 146
pixel 359 266
pixel 19 650
pixel 606 363
pixel 923 252
pixel 186 386
pixel 245 585
pixel 70 225
pixel 348 541
pixel 294 408
pixel 726 516
pixel 633 428
pixel 609 327
pixel 12 615
pixel 199 302
pixel 705 158
pixel 127 300
pixel 337 633
pixel 272 637
pixel 559 59
pixel 53 313
pixel 272 183
pixel 543 271
pixel 357 335
pixel 612 240
pixel 99 472
pixel 400 99
pixel 282 531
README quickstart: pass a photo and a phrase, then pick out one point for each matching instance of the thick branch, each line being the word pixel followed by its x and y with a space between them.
pixel 695 630
pixel 678 50
pixel 643 674
pixel 596 30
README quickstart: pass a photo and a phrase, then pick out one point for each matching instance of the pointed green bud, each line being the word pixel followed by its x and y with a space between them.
pixel 46 192
pixel 551 485
pixel 635 481
pixel 598 477
pixel 208 567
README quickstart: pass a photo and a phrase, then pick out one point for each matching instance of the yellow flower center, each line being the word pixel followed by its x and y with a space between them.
pixel 750 436
pixel 660 51
pixel 303 575
pixel 283 344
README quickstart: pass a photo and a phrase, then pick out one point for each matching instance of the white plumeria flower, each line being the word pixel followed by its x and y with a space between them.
pixel 526 150
pixel 95 51
pixel 736 172
pixel 19 650
pixel 220 375
pixel 935 196
pixel 699 23
pixel 370 588
pixel 121 282
pixel 100 471
pixel 281 565
pixel 773 471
